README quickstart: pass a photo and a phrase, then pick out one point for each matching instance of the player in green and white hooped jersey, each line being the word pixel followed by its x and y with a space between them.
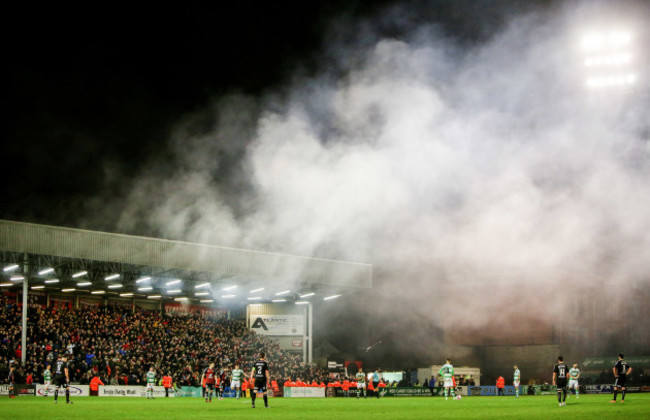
pixel 574 374
pixel 151 382
pixel 516 381
pixel 235 380
pixel 47 379
pixel 447 373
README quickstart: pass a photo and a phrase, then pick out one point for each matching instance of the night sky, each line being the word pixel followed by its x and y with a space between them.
pixel 101 87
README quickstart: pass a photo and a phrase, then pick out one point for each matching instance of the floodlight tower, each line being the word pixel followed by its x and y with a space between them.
pixel 609 59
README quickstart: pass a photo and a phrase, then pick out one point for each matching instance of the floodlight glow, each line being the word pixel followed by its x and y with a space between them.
pixel 302 302
pixel 206 300
pixel 145 289
pixel 97 292
pixel 201 293
pixel 615 80
pixel 228 296
pixel 283 292
pixel 52 281
pixel 68 290
pixel 331 297
pixel 6 284
pixel 202 285
pixel 84 283
pixel 46 271
pixel 16 278
pixel 154 297
pixel 37 287
pixel 225 289
pixel 114 286
pixel 180 298
pixel 278 300
pixel 254 298
pixel 307 295
pixel 257 290
pixel 79 274
pixel 141 279
pixel 617 39
pixel 610 60
pixel 255 304
pixel 112 277
pixel 169 283
pixel 10 267
pixel 126 294
pixel 174 291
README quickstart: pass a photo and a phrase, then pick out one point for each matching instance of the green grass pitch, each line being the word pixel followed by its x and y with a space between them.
pixel 636 406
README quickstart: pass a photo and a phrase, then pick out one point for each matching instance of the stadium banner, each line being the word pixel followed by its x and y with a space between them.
pixel 185 309
pixel 75 390
pixel 415 391
pixel 304 392
pixel 19 389
pixel 598 363
pixel 190 391
pixel 278 324
pixel 492 390
pixel 130 391
pixel 609 388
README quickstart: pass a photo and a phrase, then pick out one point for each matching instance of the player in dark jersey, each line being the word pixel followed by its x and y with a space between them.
pixel 12 381
pixel 208 376
pixel 62 378
pixel 262 377
pixel 621 370
pixel 560 375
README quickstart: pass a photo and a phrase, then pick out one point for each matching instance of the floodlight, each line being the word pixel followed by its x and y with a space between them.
pixel 154 297
pixel 52 281
pixel 201 293
pixel 141 279
pixel 126 294
pixel 302 302
pixel 331 297
pixel 199 286
pixel 180 298
pixel 114 286
pixel 206 300
pixel 37 287
pixel 79 274
pixel 84 283
pixel 97 292
pixel 228 296
pixel 225 289
pixel 307 295
pixel 16 278
pixel 112 277
pixel 6 284
pixel 145 289
pixel 254 298
pixel 46 271
pixel 169 283
pixel 283 292
pixel 68 290
pixel 10 267
pixel 278 300
pixel 257 290
pixel 174 291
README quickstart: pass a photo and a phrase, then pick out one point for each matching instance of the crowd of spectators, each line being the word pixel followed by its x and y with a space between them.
pixel 119 345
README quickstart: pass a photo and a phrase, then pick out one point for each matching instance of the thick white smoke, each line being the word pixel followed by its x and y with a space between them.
pixel 470 177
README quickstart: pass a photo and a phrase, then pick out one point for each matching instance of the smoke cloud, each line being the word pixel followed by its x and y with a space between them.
pixel 479 176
